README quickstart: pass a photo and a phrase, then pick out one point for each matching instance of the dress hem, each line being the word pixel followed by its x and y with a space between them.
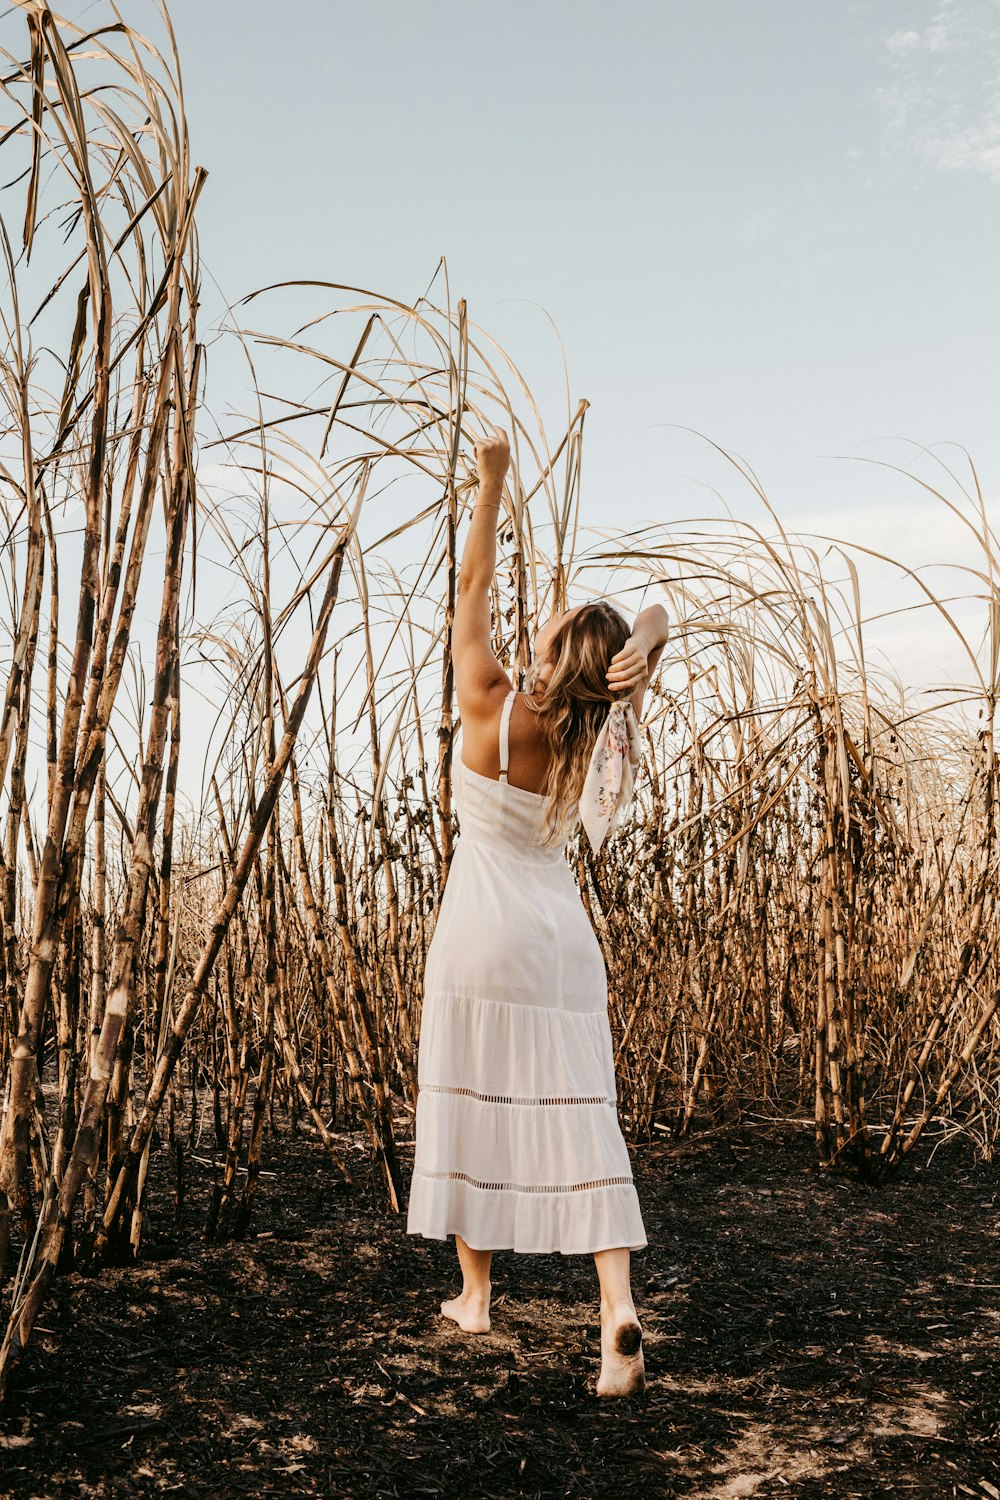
pixel 529 1250
pixel 571 1222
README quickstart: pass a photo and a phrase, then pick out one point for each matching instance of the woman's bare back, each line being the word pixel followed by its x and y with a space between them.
pixel 529 749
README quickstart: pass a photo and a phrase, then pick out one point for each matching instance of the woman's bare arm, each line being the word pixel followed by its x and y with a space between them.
pixel 479 677
pixel 632 666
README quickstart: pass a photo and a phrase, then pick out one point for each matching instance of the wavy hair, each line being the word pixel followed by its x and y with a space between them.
pixel 573 706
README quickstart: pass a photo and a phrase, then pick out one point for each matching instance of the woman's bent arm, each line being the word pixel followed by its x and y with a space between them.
pixel 632 666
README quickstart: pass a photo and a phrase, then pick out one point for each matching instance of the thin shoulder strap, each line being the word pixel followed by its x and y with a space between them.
pixel 505 732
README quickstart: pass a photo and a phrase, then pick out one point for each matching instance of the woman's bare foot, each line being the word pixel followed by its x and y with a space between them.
pixel 623 1371
pixel 471 1311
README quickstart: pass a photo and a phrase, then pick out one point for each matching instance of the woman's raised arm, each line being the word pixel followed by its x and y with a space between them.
pixel 479 677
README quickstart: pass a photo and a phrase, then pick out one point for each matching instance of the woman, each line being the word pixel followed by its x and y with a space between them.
pixel 518 1141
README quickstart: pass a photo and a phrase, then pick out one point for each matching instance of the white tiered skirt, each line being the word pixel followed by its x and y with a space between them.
pixel 518 1144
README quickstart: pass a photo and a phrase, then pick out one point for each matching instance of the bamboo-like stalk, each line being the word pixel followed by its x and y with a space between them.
pixel 190 1006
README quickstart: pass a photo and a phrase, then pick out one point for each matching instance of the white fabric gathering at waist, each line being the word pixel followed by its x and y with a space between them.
pixel 518 852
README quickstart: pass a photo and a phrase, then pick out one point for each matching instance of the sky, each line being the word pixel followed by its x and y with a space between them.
pixel 766 220
pixel 766 223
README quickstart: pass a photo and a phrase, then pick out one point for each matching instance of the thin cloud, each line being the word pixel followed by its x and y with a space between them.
pixel 942 99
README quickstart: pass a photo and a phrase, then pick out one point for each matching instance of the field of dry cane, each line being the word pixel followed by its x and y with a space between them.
pixel 227 727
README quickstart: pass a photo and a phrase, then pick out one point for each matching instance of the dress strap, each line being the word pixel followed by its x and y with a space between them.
pixel 505 732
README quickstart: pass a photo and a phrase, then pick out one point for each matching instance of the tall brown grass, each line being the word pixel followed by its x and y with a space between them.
pixel 799 922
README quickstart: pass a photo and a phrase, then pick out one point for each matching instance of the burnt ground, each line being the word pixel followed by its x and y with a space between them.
pixel 806 1336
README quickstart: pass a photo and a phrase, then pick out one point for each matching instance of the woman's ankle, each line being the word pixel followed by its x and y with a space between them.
pixel 619 1310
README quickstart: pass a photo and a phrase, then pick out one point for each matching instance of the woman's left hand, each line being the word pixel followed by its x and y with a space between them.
pixel 629 668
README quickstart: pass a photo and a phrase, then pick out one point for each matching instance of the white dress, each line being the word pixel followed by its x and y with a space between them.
pixel 518 1144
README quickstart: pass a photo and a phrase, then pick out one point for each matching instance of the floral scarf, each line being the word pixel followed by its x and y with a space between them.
pixel 615 756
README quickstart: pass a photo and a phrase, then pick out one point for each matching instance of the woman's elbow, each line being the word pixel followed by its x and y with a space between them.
pixel 662 624
pixel 473 581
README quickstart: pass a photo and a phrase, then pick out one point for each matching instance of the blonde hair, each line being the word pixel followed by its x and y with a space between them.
pixel 573 706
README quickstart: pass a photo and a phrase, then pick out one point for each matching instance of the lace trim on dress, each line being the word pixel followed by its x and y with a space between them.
pixel 441 1088
pixel 519 1187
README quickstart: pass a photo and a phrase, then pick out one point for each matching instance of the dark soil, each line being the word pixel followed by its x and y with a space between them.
pixel 805 1336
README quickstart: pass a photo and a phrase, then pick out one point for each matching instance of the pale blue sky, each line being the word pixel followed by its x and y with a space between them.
pixel 742 215
pixel 771 221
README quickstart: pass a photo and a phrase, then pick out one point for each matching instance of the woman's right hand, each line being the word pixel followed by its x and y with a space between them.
pixel 629 667
pixel 492 455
